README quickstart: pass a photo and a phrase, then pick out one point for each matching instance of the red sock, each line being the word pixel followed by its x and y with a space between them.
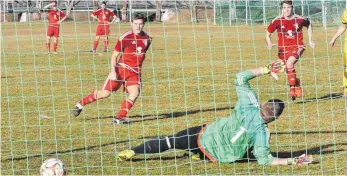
pixel 96 43
pixel 106 45
pixel 291 74
pixel 48 46
pixel 55 47
pixel 89 99
pixel 124 108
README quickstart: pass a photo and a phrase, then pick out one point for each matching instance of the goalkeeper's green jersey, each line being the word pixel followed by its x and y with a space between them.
pixel 228 139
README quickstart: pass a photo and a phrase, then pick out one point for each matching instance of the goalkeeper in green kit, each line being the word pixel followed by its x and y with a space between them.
pixel 229 139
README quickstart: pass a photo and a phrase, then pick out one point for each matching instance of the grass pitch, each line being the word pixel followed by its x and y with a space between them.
pixel 187 81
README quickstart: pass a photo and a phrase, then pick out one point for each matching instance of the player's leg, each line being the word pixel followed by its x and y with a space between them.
pixel 291 75
pixel 133 92
pixel 107 33
pixel 48 43
pixel 293 81
pixel 96 42
pixel 56 38
pixel 106 43
pixel 184 140
pixel 109 86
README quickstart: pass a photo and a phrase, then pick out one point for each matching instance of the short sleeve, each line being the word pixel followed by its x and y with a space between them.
pixel 62 14
pixel 120 45
pixel 344 17
pixel 111 13
pixel 261 148
pixel 97 12
pixel 245 94
pixel 273 26
pixel 306 22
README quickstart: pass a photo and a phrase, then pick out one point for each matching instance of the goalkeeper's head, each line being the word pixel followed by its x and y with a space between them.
pixel 271 110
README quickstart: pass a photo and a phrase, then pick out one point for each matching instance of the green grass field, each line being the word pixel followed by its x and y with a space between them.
pixel 187 81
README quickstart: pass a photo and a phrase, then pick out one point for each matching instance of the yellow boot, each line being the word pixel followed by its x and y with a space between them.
pixel 125 155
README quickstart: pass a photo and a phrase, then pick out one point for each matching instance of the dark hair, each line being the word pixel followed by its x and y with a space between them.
pixel 286 2
pixel 139 16
pixel 271 110
pixel 103 2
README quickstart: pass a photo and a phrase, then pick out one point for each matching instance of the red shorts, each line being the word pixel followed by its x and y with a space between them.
pixel 285 53
pixel 53 31
pixel 103 30
pixel 125 77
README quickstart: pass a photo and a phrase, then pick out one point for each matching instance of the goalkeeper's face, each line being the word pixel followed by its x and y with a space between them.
pixel 137 26
pixel 287 10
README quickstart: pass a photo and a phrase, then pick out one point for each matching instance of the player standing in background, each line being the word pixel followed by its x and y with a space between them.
pixel 290 42
pixel 131 47
pixel 341 30
pixel 55 17
pixel 102 15
pixel 229 139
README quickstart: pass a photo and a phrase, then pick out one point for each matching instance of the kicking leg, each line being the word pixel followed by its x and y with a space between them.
pixel 109 86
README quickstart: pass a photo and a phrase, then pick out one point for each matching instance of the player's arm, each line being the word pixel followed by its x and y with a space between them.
pixel 47 6
pixel 261 151
pixel 270 29
pixel 114 19
pixel 268 40
pixel 114 57
pixel 64 17
pixel 309 33
pixel 246 95
pixel 94 15
pixel 339 32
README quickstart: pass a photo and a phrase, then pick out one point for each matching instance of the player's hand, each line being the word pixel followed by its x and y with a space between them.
pixel 312 44
pixel 109 23
pixel 275 67
pixel 331 43
pixel 302 160
pixel 112 76
pixel 270 45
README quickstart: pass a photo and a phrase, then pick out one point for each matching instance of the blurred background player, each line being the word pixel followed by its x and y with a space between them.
pixel 341 30
pixel 102 15
pixel 229 139
pixel 55 16
pixel 290 42
pixel 131 47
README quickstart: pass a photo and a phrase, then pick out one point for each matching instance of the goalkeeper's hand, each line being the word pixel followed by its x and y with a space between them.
pixel 301 160
pixel 274 68
pixel 112 76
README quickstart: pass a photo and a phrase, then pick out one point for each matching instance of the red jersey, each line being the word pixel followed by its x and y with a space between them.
pixel 289 31
pixel 103 15
pixel 133 48
pixel 54 17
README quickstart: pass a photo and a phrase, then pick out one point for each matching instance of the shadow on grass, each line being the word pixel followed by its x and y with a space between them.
pixel 167 115
pixel 326 97
pixel 76 150
pixel 251 158
pixel 308 132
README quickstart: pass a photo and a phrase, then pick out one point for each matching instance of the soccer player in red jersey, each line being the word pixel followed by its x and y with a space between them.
pixel 290 42
pixel 131 48
pixel 55 17
pixel 102 15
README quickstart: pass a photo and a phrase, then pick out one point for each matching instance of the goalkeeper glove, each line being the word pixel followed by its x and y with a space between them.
pixel 274 68
pixel 301 160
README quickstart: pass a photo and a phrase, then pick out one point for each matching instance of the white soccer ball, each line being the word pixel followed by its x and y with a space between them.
pixel 52 166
